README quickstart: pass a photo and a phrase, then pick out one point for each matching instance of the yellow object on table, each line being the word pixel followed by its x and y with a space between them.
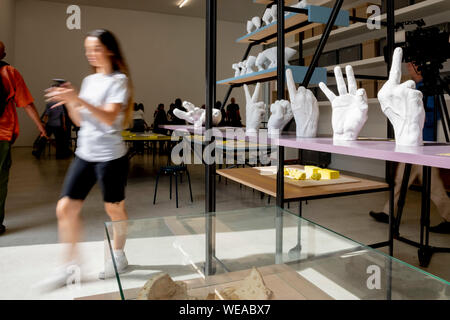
pixel 310 170
pixel 295 174
pixel 316 176
pixel 329 174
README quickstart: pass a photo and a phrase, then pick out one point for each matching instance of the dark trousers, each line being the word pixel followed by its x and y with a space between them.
pixel 61 139
pixel 5 165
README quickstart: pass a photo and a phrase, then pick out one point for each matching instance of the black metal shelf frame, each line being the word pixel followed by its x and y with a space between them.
pixel 425 250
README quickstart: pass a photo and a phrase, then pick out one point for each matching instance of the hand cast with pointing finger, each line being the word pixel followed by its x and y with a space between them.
pixel 403 105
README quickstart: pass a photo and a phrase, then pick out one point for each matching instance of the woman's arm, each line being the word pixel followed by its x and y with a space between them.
pixel 67 95
pixel 108 114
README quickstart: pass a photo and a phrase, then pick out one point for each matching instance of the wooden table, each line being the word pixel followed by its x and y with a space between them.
pixel 251 177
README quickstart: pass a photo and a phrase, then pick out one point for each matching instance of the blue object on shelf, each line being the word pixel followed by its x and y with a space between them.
pixel 319 14
pixel 298 72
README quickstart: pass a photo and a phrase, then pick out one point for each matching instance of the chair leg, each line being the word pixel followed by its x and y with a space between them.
pixel 170 197
pixel 190 188
pixel 156 188
pixel 176 188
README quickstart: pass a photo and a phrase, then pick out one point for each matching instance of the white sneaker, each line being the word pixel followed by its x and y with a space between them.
pixel 58 279
pixel 121 264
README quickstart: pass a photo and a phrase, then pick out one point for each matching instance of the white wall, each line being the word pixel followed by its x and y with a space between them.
pixel 166 53
pixel 7 14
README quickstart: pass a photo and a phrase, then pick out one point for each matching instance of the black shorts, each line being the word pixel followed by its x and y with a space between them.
pixel 82 176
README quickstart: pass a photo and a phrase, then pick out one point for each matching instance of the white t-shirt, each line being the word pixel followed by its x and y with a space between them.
pixel 97 141
pixel 138 115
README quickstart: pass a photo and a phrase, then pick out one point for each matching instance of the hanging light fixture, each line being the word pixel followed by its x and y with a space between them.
pixel 183 3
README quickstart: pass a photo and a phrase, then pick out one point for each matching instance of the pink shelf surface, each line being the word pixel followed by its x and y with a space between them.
pixel 430 154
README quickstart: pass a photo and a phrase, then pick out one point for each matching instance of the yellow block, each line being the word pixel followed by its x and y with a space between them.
pixel 329 174
pixel 316 176
pixel 310 170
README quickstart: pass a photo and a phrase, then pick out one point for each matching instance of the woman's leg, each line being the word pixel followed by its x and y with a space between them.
pixel 69 224
pixel 117 212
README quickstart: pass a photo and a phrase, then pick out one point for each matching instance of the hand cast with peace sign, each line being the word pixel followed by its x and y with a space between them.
pixel 254 110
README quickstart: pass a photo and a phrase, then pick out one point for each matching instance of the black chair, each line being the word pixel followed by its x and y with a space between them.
pixel 173 171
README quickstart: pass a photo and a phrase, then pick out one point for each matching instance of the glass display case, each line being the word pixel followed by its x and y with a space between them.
pixel 297 258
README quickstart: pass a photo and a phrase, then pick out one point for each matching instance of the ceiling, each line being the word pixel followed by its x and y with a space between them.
pixel 228 10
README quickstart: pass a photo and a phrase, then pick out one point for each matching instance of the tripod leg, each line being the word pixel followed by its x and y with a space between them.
pixel 401 199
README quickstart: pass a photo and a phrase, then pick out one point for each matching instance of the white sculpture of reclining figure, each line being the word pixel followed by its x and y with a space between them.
pixel 195 115
pixel 305 108
pixel 268 58
pixel 254 110
pixel 349 108
pixel 254 24
pixel 280 117
pixel 403 105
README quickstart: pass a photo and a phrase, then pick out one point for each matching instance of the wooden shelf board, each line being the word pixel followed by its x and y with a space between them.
pixel 252 178
pixel 317 17
pixel 366 63
pixel 298 72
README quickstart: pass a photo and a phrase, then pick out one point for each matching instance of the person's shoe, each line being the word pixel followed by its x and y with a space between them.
pixel 380 216
pixel 443 227
pixel 2 229
pixel 59 279
pixel 121 264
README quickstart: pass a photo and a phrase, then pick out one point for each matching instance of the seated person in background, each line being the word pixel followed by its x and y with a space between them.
pixel 170 116
pixel 218 105
pixel 178 105
pixel 160 119
pixel 139 124
pixel 233 115
pixel 438 193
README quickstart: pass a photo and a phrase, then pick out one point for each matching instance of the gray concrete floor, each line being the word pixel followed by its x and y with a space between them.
pixel 35 185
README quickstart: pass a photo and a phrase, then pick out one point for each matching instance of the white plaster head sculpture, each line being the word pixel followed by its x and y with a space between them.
pixel 281 114
pixel 305 108
pixel 349 108
pixel 254 110
pixel 403 105
pixel 250 65
pixel 195 115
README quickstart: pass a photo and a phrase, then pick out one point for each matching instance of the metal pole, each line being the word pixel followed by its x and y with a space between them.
pixel 280 95
pixel 322 42
pixel 210 170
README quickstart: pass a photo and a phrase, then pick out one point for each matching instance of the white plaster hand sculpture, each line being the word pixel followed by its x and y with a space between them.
pixel 254 110
pixel 243 68
pixel 268 58
pixel 403 105
pixel 254 24
pixel 280 117
pixel 301 4
pixel 237 69
pixel 250 64
pixel 270 15
pixel 305 108
pixel 349 108
pixel 196 115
